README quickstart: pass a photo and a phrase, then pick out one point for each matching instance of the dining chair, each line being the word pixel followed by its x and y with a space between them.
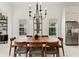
pixel 52 48
pixel 20 48
pixel 36 48
pixel 61 45
pixel 11 44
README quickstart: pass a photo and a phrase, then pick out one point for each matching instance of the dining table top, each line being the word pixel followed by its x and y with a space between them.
pixel 32 39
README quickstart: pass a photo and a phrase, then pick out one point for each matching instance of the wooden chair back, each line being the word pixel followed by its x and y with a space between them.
pixel 50 44
pixel 11 40
pixel 61 40
pixel 61 45
pixel 11 43
pixel 52 48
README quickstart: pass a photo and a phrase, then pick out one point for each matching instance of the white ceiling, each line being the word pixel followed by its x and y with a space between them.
pixel 53 3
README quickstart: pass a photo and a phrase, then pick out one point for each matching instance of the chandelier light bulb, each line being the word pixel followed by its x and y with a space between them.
pixel 40 3
pixel 46 8
pixel 29 5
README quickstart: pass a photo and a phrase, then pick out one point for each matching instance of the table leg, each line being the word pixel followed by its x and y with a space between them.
pixel 58 52
pixel 15 51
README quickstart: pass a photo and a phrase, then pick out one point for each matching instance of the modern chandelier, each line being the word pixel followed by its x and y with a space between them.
pixel 37 18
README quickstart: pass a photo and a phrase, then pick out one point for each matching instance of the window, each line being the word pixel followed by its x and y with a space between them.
pixel 22 27
pixel 52 28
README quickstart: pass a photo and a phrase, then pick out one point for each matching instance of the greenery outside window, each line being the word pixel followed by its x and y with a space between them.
pixel 52 29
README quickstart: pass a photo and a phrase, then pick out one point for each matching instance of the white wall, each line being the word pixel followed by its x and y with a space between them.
pixel 20 11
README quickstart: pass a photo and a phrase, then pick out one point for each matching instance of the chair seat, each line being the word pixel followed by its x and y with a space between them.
pixel 21 50
pixel 51 50
pixel 36 50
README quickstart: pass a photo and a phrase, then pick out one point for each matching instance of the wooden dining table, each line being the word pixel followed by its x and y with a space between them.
pixel 20 41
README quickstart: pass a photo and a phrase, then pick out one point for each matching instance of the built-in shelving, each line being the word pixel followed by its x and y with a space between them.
pixel 3 28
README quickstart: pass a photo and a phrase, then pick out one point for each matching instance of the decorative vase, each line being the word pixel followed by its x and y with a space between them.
pixel 36 36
